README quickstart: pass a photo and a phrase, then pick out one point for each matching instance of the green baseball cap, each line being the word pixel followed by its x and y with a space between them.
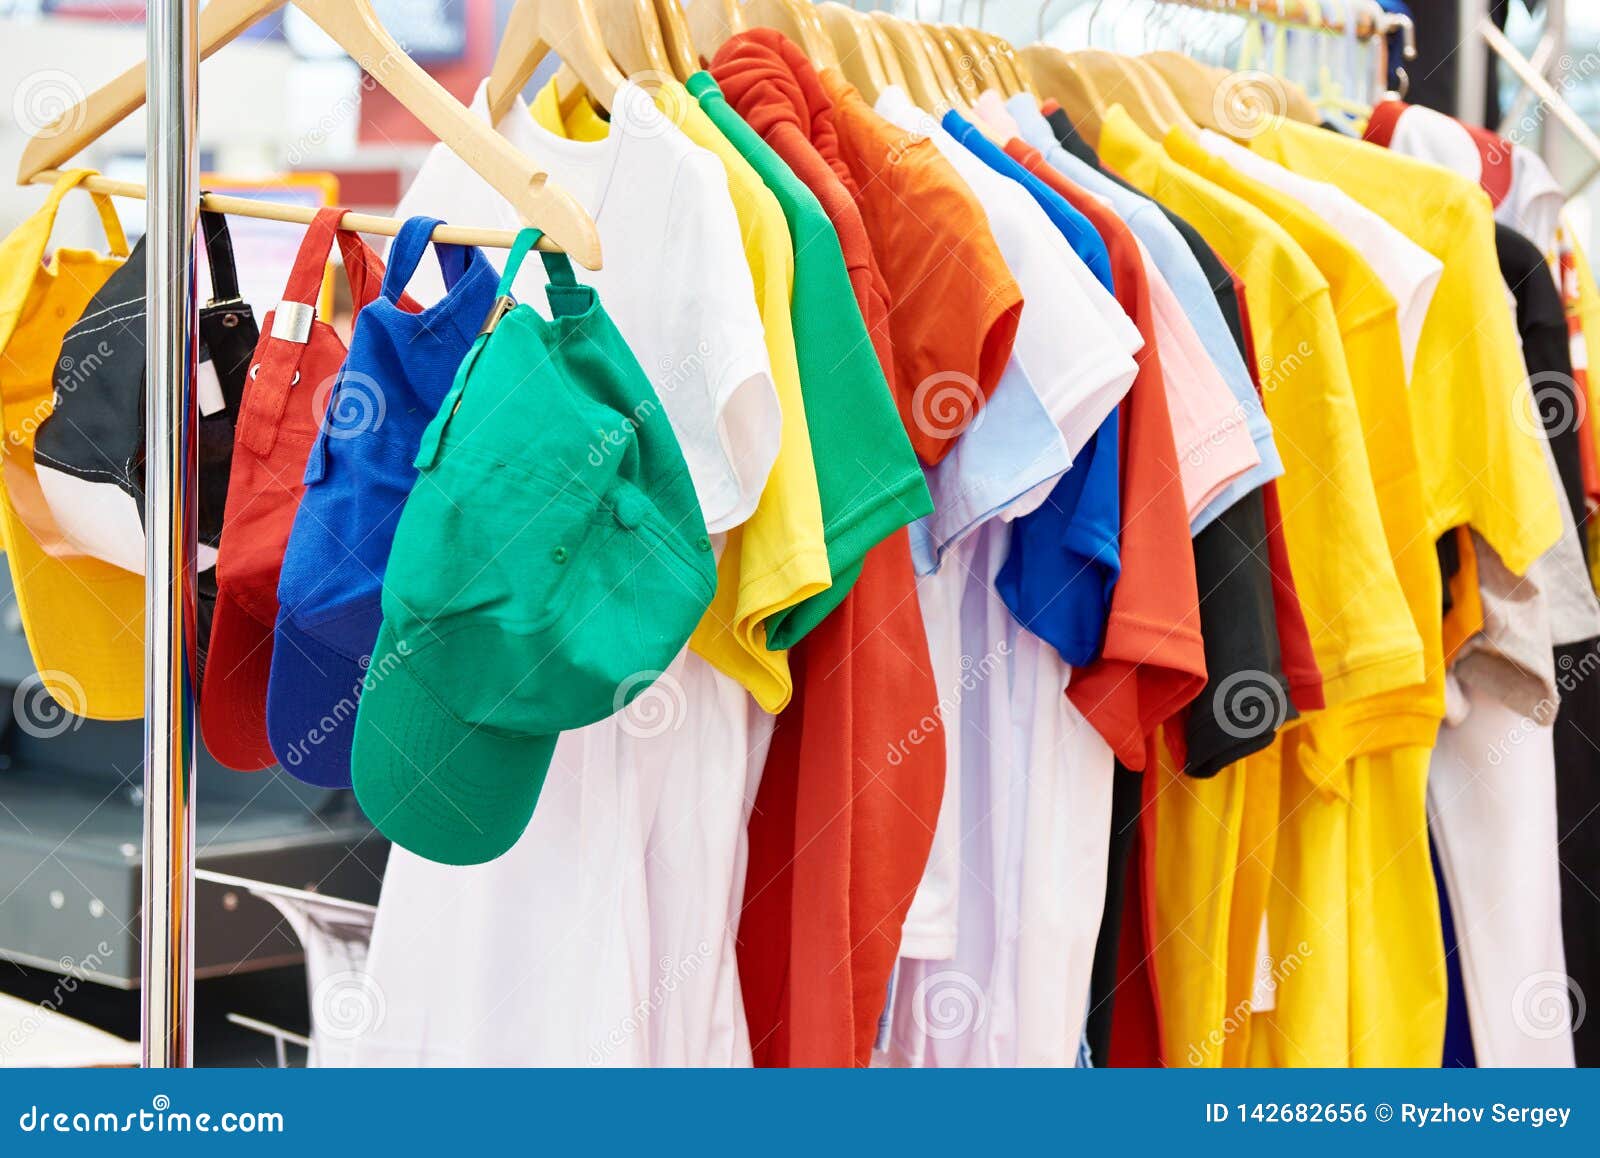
pixel 550 561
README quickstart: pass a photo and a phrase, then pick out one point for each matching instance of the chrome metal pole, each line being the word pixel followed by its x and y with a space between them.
pixel 167 968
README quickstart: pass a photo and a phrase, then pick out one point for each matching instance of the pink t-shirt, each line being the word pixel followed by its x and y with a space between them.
pixel 1208 424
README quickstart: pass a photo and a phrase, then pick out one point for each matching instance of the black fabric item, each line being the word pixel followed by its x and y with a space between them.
pixel 1246 697
pixel 1547 350
pixel 1125 795
pixel 1448 548
pixel 1577 745
pixel 96 429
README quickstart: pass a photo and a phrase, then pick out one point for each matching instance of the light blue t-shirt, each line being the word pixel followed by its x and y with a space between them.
pixel 1189 283
pixel 1011 447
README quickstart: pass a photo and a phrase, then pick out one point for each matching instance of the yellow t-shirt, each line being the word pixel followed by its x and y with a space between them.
pixel 1369 325
pixel 777 557
pixel 1481 468
pixel 1360 626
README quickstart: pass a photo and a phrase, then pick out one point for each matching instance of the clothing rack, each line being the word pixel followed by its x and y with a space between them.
pixel 1370 19
pixel 173 201
pixel 172 80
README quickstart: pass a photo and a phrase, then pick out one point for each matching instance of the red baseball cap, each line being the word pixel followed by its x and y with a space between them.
pixel 285 392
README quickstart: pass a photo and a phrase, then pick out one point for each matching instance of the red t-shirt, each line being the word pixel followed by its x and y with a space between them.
pixel 840 832
pixel 1153 661
pixel 756 73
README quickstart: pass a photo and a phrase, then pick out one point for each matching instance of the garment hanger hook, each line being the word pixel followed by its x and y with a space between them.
pixel 1044 10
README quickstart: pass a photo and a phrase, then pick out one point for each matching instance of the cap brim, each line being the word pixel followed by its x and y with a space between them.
pixel 443 789
pixel 233 698
pixel 84 620
pixel 311 706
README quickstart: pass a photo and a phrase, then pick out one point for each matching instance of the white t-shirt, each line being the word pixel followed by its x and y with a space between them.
pixel 674 279
pixel 1492 812
pixel 605 936
pixel 1073 341
pixel 1409 272
pixel 1013 900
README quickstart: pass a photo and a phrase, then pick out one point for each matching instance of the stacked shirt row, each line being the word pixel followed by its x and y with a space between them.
pixel 943 593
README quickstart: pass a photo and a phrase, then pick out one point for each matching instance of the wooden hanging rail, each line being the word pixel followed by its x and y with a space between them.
pixel 305 214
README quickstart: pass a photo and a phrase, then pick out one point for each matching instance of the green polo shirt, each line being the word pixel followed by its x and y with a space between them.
pixel 868 479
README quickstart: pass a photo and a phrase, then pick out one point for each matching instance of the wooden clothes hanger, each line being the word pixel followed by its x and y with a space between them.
pixel 797 20
pixel 921 82
pixel 886 53
pixel 1165 106
pixel 631 32
pixel 1115 79
pixel 1192 83
pixel 1011 79
pixel 971 58
pixel 713 22
pixel 536 28
pixel 955 93
pixel 674 27
pixel 852 39
pixel 355 27
pixel 1055 77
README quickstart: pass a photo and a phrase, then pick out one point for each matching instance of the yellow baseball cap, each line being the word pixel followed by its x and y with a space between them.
pixel 84 618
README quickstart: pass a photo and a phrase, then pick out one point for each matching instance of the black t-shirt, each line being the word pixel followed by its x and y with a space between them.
pixel 1546 348
pixel 1238 619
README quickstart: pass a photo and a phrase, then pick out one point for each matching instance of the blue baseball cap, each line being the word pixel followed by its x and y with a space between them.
pixel 401 364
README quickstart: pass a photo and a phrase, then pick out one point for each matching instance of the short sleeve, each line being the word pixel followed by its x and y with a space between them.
pixel 718 346
pixel 955 304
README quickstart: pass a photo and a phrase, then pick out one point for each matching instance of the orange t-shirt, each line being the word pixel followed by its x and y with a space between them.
pixel 840 834
pixel 953 304
pixel 1153 661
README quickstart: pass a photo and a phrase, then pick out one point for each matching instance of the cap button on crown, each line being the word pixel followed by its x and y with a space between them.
pixel 629 506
